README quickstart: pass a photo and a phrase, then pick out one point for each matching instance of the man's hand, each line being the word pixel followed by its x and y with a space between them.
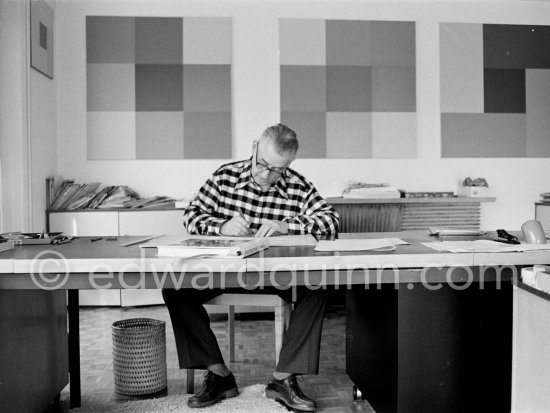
pixel 236 227
pixel 270 228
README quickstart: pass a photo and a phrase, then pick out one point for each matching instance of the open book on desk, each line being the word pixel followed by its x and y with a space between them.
pixel 275 241
pixel 212 247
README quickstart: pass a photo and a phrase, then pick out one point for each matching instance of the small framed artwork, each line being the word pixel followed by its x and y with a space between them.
pixel 42 37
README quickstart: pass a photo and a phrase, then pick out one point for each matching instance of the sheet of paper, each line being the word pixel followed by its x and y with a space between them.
pixel 191 254
pixel 292 240
pixel 164 240
pixel 399 241
pixel 351 244
pixel 139 241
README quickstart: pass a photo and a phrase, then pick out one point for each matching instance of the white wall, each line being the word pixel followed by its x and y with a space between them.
pixel 13 116
pixel 43 132
pixel 28 123
pixel 515 182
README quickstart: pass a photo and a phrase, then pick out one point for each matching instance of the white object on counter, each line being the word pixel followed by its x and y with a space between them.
pixel 537 276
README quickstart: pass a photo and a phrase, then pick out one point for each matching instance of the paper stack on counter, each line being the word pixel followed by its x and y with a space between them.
pixel 372 193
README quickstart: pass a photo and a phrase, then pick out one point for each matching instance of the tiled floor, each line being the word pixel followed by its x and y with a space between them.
pixel 255 360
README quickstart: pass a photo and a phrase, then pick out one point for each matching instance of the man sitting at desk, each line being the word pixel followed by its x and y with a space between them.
pixel 262 196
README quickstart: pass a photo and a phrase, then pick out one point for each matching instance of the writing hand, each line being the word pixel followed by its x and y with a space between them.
pixel 270 228
pixel 236 227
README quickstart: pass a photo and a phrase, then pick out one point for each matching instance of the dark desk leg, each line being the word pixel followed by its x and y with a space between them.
pixel 74 349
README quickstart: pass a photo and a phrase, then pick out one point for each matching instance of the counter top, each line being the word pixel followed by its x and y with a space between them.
pixel 454 200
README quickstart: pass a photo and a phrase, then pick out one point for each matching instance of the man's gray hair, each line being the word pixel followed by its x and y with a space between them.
pixel 284 139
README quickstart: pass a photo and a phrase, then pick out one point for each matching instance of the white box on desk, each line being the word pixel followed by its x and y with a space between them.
pixel 473 191
pixel 543 281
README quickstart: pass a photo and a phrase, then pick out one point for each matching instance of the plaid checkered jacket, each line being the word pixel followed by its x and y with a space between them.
pixel 231 190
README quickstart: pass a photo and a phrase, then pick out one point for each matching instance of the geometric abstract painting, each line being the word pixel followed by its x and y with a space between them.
pixel 348 87
pixel 158 87
pixel 495 90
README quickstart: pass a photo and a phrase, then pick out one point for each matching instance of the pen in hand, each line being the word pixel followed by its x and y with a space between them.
pixel 241 214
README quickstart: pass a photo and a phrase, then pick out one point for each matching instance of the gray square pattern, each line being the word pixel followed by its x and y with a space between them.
pixel 349 89
pixel 208 135
pixel 158 87
pixel 207 88
pixel 364 83
pixel 159 40
pixel 304 88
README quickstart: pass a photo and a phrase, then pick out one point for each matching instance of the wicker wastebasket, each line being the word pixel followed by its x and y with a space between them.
pixel 139 356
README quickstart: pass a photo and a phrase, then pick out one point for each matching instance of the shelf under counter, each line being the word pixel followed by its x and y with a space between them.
pixel 404 214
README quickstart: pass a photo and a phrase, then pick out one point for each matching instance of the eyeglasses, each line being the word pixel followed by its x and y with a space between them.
pixel 263 167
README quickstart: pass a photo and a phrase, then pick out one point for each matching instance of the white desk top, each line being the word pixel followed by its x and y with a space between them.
pixel 6 264
pixel 83 256
pixel 405 256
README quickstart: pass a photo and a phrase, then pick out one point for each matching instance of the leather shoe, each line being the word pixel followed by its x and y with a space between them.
pixel 214 388
pixel 289 393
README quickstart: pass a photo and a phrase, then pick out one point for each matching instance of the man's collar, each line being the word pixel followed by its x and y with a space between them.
pixel 245 178
pixel 280 185
pixel 246 175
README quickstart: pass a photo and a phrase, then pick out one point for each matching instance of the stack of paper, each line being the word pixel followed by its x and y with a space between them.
pixel 372 193
pixel 152 202
pixel 118 198
pixel 71 196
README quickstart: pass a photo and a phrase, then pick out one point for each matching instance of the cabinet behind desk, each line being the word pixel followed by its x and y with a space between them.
pixel 407 214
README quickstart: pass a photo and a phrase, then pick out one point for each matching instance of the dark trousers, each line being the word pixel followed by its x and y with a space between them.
pixel 197 345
